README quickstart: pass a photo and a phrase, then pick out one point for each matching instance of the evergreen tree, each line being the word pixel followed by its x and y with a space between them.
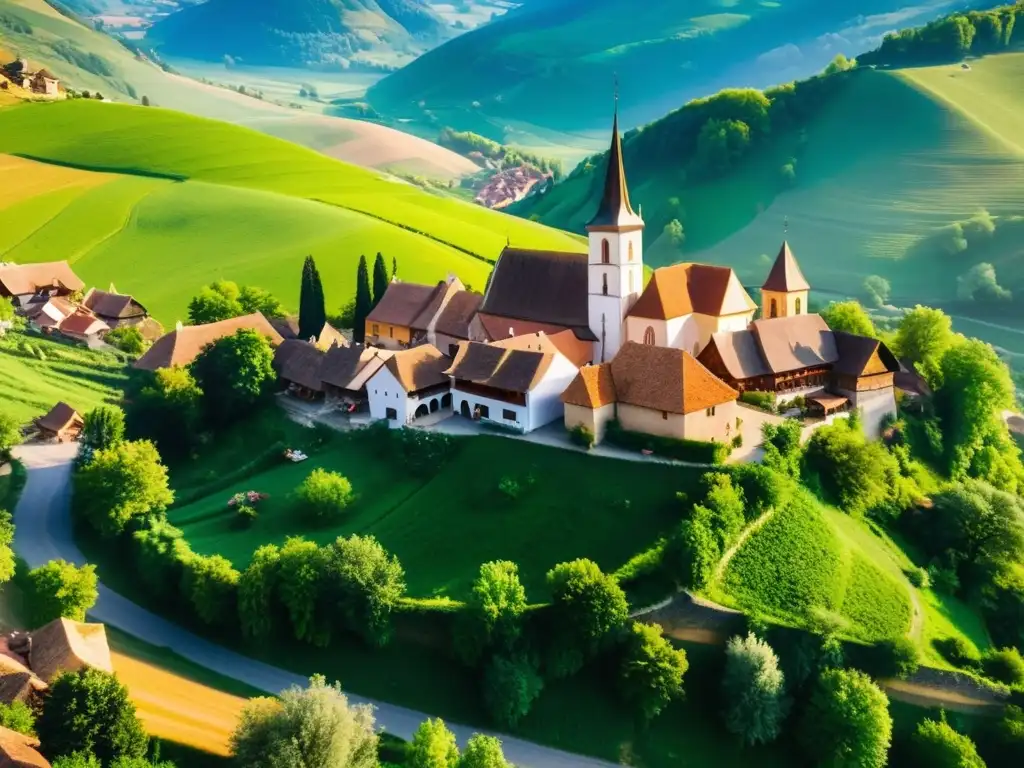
pixel 394 266
pixel 380 279
pixel 312 311
pixel 364 300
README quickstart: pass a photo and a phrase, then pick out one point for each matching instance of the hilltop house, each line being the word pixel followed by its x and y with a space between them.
pixel 409 314
pixel 29 283
pixel 410 384
pixel 41 82
pixel 61 423
pixel 516 383
pixel 183 345
pixel 115 309
pixel 655 390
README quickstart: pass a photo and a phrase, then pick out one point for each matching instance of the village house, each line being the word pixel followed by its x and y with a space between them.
pixel 82 325
pixel 183 345
pixel 298 364
pixel 30 283
pixel 41 82
pixel 116 309
pixel 47 315
pixel 409 314
pixel 345 371
pixel 328 337
pixel 62 423
pixel 516 383
pixel 654 390
pixel 411 384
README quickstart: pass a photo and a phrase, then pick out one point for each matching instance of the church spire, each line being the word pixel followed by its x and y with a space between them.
pixel 614 210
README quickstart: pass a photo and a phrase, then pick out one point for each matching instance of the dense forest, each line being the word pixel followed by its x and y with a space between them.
pixel 467 143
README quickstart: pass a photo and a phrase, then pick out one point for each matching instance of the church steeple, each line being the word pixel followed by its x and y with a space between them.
pixel 785 291
pixel 614 211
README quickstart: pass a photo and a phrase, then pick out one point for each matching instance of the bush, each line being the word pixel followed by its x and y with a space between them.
pixel 652 670
pixel 694 551
pixel 510 487
pixel 753 688
pixel 582 437
pixel 210 584
pixel 325 495
pixel 18 716
pixel 763 400
pixel 433 746
pixel 128 339
pixel 245 515
pixel 937 745
pixel 918 577
pixel 894 658
pixel 846 723
pixel 511 685
pixel 957 651
pixel 697 451
pixel 1004 665
pixel 493 615
pixel 61 589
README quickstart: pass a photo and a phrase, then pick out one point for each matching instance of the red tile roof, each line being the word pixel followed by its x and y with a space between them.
pixel 181 346
pixel 785 275
pixel 18 280
pixel 686 288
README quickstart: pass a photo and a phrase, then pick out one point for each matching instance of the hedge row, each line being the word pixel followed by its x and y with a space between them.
pixel 696 451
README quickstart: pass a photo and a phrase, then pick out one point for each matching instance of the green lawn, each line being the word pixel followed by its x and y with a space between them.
pixel 31 385
pixel 443 527
pixel 187 200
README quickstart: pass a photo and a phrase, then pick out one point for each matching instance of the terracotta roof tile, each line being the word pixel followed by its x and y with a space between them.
pixel 785 275
pixel 666 379
pixel 458 313
pixel 180 347
pixel 593 387
pixel 82 323
pixel 686 288
pixel 418 368
pixel 402 304
pixel 116 306
pixel 22 279
pixel 66 645
pixel 855 351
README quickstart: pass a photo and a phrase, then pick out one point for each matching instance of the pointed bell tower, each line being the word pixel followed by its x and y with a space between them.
pixel 785 292
pixel 616 267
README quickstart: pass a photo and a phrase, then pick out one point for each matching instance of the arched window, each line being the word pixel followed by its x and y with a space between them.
pixel 798 305
pixel 649 336
pixel 630 250
pixel 606 252
pixel 774 310
pixel 604 283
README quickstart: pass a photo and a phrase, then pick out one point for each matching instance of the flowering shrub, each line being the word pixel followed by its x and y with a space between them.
pixel 248 497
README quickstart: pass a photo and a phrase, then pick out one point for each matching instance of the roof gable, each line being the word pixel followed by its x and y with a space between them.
pixel 687 288
pixel 863 356
pixel 795 342
pixel 60 417
pixel 117 306
pixel 785 275
pixel 403 303
pixel 457 314
pixel 540 286
pixel 516 364
pixel 593 387
pixel 418 368
pixel 183 345
pixel 665 379
pixel 19 280
pixel 66 645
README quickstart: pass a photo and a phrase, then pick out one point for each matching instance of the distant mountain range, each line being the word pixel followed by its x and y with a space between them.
pixel 548 63
pixel 298 32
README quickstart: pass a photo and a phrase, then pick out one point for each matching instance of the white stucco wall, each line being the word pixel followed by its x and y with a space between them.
pixel 544 401
pixel 593 419
pixel 720 427
pixel 689 332
pixel 383 392
pixel 874 406
pixel 495 409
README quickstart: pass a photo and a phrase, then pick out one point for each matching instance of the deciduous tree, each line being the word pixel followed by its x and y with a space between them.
pixel 753 690
pixel 923 336
pixel 236 374
pixel 493 616
pixel 937 745
pixel 483 752
pixel 90 711
pixel 211 584
pixel 215 302
pixel 510 686
pixel 433 746
pixel 652 670
pixel 61 589
pixel 325 495
pixel 253 299
pixel 846 723
pixel 314 726
pixel 850 317
pixel 10 434
pixel 168 411
pixel 303 576
pixel 367 584
pixel 258 587
pixel 103 428
pixel 124 482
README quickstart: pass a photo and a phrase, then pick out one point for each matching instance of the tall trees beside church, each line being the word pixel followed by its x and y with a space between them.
pixel 312 311
pixel 380 278
pixel 364 301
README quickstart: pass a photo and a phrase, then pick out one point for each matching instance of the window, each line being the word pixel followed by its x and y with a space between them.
pixel 664 415
pixel 798 305
pixel 390 413
pixel 710 411
pixel 606 252
pixel 649 336
pixel 630 250
pixel 775 309
pixel 391 331
pixel 484 411
pixel 604 283
pixel 376 330
pixel 508 415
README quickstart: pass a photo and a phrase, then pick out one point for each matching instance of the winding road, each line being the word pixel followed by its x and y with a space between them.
pixel 43 532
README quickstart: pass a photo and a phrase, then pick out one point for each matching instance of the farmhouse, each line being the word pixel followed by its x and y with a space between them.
pixel 183 345
pixel 516 383
pixel 345 371
pixel 29 283
pixel 409 314
pixel 328 336
pixel 298 365
pixel 655 390
pixel 82 325
pixel 62 423
pixel 42 82
pixel 410 384
pixel 114 309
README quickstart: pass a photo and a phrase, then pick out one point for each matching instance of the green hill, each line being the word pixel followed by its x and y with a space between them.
pixel 298 32
pixel 536 70
pixel 182 201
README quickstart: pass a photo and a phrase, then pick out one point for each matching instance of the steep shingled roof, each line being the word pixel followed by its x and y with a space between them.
pixel 686 288
pixel 516 364
pixel 18 280
pixel 456 316
pixel 60 417
pixel 785 275
pixel 116 306
pixel 403 303
pixel 300 362
pixel 181 346
pixel 592 388
pixel 795 342
pixel 66 645
pixel 614 211
pixel 419 367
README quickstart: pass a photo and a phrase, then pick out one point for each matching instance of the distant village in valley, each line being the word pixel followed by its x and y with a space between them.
pixel 559 340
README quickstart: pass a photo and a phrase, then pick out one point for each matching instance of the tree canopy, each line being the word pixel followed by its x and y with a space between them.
pixel 121 483
pixel 493 617
pixel 850 317
pixel 223 299
pixel 236 374
pixel 652 670
pixel 312 306
pixel 937 745
pixel 380 278
pixel 10 434
pixel 753 689
pixel 364 300
pixel 922 338
pixel 168 411
pixel 846 723
pixel 433 746
pixel 61 589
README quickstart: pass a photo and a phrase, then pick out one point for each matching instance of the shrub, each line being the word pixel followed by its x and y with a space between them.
pixel 511 685
pixel 763 400
pixel 937 745
pixel 918 577
pixel 957 651
pixel 652 670
pixel 61 589
pixel 762 489
pixel 493 615
pixel 1004 665
pixel 697 451
pixel 582 436
pixel 894 658
pixel 18 716
pixel 121 483
pixel 128 339
pixel 737 441
pixel 846 723
pixel 694 552
pixel 245 515
pixel 483 752
pixel 325 495
pixel 510 487
pixel 433 746
pixel 753 688
pixel 211 586
pixel 367 583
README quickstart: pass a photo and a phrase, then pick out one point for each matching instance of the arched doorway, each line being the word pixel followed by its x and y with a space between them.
pixel 423 410
pixel 446 400
pixel 434 405
pixel 464 409
pixel 774 309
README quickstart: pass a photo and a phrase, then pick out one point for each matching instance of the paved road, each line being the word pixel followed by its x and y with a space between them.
pixel 43 532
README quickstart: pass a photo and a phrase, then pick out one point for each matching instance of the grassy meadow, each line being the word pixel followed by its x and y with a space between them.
pixel 443 527
pixel 160 203
pixel 32 381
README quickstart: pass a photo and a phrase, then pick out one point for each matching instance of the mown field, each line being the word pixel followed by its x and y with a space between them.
pixel 33 381
pixel 182 201
pixel 442 527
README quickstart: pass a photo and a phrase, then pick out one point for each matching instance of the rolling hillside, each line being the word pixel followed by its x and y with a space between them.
pixel 543 67
pixel 872 193
pixel 88 60
pixel 299 32
pixel 162 203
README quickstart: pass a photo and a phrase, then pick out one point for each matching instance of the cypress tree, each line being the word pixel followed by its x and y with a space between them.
pixel 380 279
pixel 364 300
pixel 312 310
pixel 394 266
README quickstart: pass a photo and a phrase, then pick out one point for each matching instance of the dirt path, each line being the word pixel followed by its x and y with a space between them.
pixel 931 696
pixel 751 529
